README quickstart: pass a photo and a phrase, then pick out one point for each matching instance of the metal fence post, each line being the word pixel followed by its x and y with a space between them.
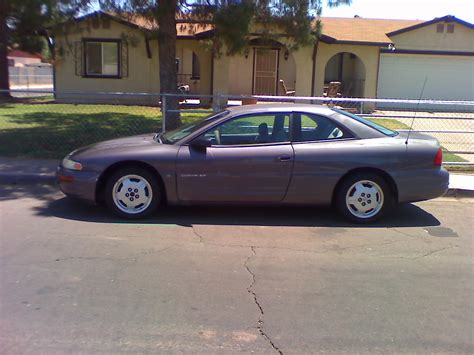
pixel 216 103
pixel 163 114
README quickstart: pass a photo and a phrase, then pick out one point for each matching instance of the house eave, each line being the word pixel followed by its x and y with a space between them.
pixel 427 52
pixel 447 18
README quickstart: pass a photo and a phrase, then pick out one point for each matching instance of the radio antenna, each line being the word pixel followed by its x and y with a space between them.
pixel 416 110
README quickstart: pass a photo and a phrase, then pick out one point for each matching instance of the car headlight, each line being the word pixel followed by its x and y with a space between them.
pixel 71 164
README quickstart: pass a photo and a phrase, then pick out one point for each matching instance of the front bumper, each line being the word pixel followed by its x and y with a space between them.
pixel 422 185
pixel 77 184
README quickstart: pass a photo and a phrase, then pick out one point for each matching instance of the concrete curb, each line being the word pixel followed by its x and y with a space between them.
pixel 50 179
pixel 459 193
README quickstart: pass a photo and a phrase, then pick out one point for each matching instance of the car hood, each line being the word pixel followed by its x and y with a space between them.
pixel 116 146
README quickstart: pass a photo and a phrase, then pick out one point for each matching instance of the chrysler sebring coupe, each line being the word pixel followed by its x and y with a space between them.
pixel 268 154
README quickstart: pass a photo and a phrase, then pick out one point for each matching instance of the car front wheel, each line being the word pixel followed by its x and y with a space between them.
pixel 364 197
pixel 132 193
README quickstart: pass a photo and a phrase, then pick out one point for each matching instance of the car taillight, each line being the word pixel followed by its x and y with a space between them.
pixel 438 160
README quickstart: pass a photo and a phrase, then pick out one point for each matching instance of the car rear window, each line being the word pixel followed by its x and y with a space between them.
pixel 380 128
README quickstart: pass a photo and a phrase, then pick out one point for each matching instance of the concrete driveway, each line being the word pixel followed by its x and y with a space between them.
pixel 224 280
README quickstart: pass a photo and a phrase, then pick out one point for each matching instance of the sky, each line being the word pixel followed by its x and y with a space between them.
pixel 405 9
pixel 401 9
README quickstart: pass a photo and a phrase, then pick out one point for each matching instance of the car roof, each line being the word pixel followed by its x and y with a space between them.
pixel 272 107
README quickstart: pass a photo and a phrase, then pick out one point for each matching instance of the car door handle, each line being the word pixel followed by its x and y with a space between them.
pixel 284 158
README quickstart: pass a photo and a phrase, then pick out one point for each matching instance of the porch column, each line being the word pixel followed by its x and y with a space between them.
pixel 221 77
pixel 304 70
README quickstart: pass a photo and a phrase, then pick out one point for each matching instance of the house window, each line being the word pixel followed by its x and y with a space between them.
pixel 450 28
pixel 440 28
pixel 102 58
pixel 196 73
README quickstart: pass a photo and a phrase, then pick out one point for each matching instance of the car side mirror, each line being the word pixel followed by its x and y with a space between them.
pixel 200 144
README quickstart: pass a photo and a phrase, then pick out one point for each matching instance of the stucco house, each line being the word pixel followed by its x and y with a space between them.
pixel 371 57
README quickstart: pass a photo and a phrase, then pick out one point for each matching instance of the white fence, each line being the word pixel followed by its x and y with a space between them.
pixel 31 77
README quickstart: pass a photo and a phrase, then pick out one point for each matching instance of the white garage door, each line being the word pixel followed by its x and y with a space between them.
pixel 401 76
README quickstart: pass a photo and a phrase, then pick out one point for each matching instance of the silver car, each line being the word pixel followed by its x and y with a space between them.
pixel 269 154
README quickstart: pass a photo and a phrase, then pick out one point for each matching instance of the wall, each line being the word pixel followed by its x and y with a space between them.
pixel 426 38
pixel 367 54
pixel 304 71
pixel 184 50
pixel 241 74
pixel 287 72
pixel 143 72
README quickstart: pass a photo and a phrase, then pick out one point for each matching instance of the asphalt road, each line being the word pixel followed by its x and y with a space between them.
pixel 222 280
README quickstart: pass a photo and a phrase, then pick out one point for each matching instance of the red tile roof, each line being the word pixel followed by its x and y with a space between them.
pixel 22 54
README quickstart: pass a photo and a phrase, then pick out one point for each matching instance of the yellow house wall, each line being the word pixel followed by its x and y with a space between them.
pixel 240 74
pixel 304 71
pixel 287 72
pixel 184 50
pixel 143 73
pixel 368 55
pixel 426 38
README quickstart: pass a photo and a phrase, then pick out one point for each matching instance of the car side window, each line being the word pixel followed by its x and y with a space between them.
pixel 310 128
pixel 251 129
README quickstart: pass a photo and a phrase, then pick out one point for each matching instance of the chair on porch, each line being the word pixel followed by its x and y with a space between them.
pixel 288 92
pixel 334 89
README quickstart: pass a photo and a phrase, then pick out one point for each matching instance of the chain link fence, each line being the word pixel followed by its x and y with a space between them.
pixel 31 77
pixel 45 127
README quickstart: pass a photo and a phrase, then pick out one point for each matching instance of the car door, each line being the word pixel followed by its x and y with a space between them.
pixel 250 160
pixel 322 148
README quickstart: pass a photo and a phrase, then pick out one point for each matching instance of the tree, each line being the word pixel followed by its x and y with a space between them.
pixel 22 22
pixel 232 20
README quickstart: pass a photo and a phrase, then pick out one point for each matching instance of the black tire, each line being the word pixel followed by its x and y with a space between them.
pixel 350 211
pixel 152 190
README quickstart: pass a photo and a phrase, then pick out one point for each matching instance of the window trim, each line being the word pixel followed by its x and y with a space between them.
pixel 195 76
pixel 85 41
pixel 289 141
pixel 345 130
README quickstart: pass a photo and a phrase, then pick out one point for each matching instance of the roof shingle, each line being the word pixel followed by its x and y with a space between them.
pixel 363 29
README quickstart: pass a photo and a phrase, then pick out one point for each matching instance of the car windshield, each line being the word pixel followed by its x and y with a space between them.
pixel 381 129
pixel 184 131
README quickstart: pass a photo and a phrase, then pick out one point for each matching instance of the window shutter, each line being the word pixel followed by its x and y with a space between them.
pixel 124 59
pixel 78 58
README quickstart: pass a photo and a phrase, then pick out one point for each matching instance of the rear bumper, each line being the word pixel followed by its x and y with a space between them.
pixel 77 184
pixel 422 185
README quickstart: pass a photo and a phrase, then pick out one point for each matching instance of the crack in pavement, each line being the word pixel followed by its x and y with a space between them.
pixel 436 251
pixel 417 257
pixel 197 234
pixel 323 251
pixel 133 258
pixel 255 299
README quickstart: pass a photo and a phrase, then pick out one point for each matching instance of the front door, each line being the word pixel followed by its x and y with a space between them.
pixel 265 71
pixel 250 160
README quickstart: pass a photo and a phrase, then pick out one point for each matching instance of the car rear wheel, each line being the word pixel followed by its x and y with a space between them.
pixel 364 197
pixel 132 193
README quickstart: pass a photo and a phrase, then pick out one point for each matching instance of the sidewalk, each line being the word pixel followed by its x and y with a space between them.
pixel 42 171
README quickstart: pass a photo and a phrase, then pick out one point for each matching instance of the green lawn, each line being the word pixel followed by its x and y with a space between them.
pixel 48 130
pixel 52 130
